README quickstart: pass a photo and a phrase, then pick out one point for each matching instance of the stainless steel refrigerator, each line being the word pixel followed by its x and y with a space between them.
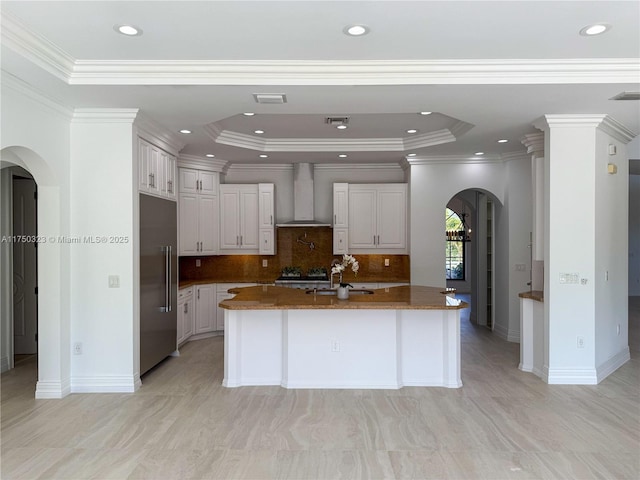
pixel 158 280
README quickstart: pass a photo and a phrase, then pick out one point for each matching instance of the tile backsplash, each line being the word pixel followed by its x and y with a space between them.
pixel 293 249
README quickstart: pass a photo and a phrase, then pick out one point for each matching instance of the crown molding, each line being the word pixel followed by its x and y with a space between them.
pixel 390 72
pixel 104 115
pixel 35 47
pixel 454 159
pixel 515 156
pixel 158 135
pixel 199 163
pixel 19 86
pixel 428 139
pixel 260 166
pixel 534 142
pixel 602 121
pixel 351 166
pixel 616 130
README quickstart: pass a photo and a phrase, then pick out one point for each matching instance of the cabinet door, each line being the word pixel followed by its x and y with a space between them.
pixel 340 205
pixel 267 242
pixel 144 152
pixel 189 181
pixel 340 241
pixel 180 319
pixel 187 324
pixel 249 217
pixel 208 183
pixel 169 163
pixel 208 224
pixel 156 173
pixel 189 220
pixel 266 205
pixel 221 296
pixel 229 218
pixel 362 217
pixel 392 217
pixel 205 308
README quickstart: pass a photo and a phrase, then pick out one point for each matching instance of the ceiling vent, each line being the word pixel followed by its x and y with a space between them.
pixel 627 96
pixel 337 120
pixel 270 97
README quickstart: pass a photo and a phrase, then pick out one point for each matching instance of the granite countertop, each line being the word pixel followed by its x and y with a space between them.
pixel 537 295
pixel 268 297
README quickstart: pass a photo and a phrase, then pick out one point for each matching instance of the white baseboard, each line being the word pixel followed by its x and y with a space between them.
pixel 52 389
pixel 572 376
pixel 105 384
pixel 4 364
pixel 513 336
pixel 611 365
pixel 501 332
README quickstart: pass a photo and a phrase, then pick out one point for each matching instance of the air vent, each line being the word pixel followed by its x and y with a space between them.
pixel 270 97
pixel 627 96
pixel 337 120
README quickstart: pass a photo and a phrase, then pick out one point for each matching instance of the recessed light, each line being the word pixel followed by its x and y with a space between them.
pixel 248 114
pixel 342 155
pixel 264 156
pixel 479 153
pixel 412 130
pixel 411 155
pixel 259 132
pixel 341 127
pixel 356 30
pixel 184 130
pixel 595 29
pixel 503 140
pixel 426 113
pixel 210 155
pixel 128 30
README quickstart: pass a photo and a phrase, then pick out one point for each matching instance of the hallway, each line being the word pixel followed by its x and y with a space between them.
pixel 503 423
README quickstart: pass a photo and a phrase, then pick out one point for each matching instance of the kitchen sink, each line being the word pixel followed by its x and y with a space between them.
pixel 326 291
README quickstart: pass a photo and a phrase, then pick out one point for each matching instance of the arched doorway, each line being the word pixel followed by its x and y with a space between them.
pixel 471 218
pixel 52 324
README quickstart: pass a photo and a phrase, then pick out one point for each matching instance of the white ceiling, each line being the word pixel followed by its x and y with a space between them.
pixel 492 66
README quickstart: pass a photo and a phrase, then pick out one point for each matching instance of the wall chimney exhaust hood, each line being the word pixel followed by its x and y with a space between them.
pixel 303 198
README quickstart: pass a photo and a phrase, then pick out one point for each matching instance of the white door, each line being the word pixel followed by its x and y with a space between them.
pixel 189 240
pixel 249 217
pixel 208 224
pixel 205 308
pixel 189 181
pixel 392 217
pixel 25 298
pixel 229 218
pixel 362 217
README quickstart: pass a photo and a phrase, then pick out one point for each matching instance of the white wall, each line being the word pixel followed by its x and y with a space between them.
pixel 634 235
pixel 611 260
pixel 35 135
pixel 103 191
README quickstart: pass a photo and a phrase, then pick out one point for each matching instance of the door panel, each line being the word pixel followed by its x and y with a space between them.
pixel 25 300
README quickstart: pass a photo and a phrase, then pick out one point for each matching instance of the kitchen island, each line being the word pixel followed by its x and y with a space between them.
pixel 393 337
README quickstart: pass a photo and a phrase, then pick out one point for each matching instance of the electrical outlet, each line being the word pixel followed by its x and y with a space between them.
pixel 77 348
pixel 265 263
pixel 198 262
pixel 335 346
pixel 114 281
pixel 386 262
pixel 580 341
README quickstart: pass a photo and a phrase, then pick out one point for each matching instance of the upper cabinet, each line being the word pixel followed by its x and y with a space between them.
pixel 376 218
pixel 340 218
pixel 239 218
pixel 198 207
pixel 266 219
pixel 156 171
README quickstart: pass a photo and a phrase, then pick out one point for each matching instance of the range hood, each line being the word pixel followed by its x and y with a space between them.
pixel 303 198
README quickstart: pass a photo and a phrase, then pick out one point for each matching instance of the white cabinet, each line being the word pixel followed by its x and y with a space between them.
pixel 266 219
pixel 377 218
pixel 239 218
pixel 198 212
pixel 205 300
pixel 222 293
pixel 185 314
pixel 156 170
pixel 340 218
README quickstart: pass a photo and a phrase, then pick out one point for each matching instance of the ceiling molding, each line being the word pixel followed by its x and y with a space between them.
pixel 20 86
pixel 616 130
pixel 511 156
pixel 454 159
pixel 262 166
pixel 104 115
pixel 199 163
pixel 428 139
pixel 388 72
pixel 158 135
pixel 351 166
pixel 35 47
pixel 602 121
pixel 534 142
pixel 234 139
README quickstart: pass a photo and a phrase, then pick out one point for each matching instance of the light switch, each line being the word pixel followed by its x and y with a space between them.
pixel 386 262
pixel 265 263
pixel 198 262
pixel 114 281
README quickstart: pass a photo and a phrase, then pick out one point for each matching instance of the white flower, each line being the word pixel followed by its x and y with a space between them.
pixel 346 261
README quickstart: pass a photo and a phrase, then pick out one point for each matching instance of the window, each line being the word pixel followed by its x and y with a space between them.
pixel 454 258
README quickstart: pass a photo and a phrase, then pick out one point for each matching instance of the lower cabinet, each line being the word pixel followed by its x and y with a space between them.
pixel 205 299
pixel 222 293
pixel 185 315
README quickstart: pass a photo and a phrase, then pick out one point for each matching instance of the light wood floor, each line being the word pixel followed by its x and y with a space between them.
pixel 502 424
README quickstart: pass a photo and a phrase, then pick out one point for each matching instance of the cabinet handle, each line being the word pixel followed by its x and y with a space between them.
pixel 271 219
pixel 198 294
pixel 374 239
pixel 151 179
pixel 186 310
pixel 335 218
pixel 237 240
pixel 240 240
pixel 170 186
pixel 378 239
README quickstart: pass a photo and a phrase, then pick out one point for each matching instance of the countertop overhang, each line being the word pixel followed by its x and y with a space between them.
pixel 267 297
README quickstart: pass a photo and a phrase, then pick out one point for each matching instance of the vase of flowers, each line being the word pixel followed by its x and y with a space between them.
pixel 339 268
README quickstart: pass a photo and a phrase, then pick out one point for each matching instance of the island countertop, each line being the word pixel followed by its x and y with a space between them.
pixel 267 297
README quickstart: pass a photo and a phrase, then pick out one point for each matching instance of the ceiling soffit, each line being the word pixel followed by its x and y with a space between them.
pixel 42 52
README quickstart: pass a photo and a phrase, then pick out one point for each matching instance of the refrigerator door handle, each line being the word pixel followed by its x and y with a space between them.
pixel 169 277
